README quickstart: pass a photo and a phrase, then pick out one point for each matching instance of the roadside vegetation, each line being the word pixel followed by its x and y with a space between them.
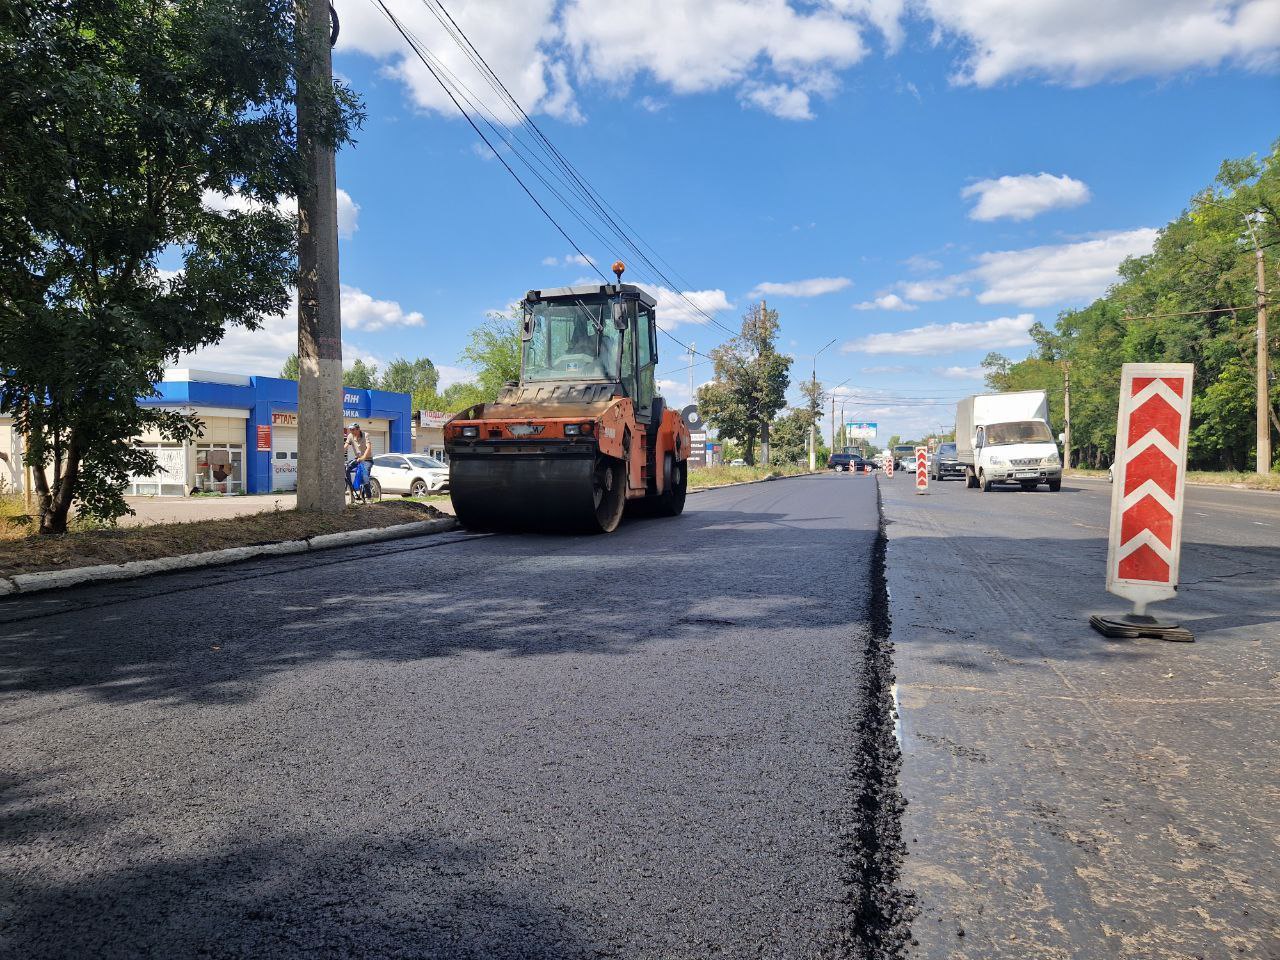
pixel 22 550
pixel 722 475
pixel 1191 300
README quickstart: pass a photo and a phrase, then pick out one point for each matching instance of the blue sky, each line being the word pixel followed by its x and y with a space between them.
pixel 918 183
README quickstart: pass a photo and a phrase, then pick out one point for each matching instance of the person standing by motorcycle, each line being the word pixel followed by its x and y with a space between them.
pixel 361 452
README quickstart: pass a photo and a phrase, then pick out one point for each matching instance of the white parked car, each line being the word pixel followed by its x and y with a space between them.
pixel 410 474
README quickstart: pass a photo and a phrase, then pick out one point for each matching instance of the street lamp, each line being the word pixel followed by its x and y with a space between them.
pixel 813 426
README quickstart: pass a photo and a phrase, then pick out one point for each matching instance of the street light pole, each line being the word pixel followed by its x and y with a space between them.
pixel 813 424
pixel 1263 459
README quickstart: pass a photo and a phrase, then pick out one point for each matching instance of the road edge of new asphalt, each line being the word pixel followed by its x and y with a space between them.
pixel 883 908
pixel 26 583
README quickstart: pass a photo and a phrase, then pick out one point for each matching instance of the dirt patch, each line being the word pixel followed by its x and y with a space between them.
pixel 25 552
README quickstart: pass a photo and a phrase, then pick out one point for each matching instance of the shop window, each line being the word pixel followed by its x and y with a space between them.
pixel 219 467
pixel 170 476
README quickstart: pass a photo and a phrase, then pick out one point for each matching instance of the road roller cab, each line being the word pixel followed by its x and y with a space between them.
pixel 584 432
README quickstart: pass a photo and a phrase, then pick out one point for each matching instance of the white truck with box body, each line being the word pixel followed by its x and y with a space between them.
pixel 1005 438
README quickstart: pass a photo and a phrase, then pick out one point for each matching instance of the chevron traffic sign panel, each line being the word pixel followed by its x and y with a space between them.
pixel 922 469
pixel 1149 476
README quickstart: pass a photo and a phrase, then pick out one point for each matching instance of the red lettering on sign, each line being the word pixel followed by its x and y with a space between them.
pixel 1155 414
pixel 1144 564
pixel 1147 514
pixel 1151 464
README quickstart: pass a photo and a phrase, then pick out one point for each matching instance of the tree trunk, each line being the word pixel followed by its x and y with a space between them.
pixel 55 505
pixel 749 449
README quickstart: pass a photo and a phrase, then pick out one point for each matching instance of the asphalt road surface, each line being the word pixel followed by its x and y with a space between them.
pixel 639 745
pixel 1071 796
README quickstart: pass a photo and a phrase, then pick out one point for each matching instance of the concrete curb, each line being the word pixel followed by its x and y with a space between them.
pixel 24 583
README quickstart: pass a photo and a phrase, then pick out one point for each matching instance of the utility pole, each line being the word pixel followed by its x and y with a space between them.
pixel 1066 413
pixel 833 421
pixel 814 408
pixel 1263 464
pixel 764 423
pixel 321 485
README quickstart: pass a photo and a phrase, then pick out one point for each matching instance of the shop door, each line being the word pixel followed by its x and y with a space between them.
pixel 378 440
pixel 284 458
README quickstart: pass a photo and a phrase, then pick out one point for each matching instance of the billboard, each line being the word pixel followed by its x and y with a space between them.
pixel 860 430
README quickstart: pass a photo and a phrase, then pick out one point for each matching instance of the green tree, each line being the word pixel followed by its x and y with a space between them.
pixel 290 369
pixel 493 349
pixel 418 378
pixel 361 375
pixel 1190 300
pixel 117 121
pixel 750 382
pixel 789 437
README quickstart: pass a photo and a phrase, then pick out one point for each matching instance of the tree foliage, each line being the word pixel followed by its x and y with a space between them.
pixel 414 377
pixel 116 120
pixel 361 375
pixel 1202 261
pixel 750 382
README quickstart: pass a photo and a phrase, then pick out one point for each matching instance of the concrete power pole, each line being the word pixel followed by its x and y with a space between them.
pixel 321 484
pixel 1066 413
pixel 1263 464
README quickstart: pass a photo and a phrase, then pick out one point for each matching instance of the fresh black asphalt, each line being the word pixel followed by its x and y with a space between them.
pixel 637 745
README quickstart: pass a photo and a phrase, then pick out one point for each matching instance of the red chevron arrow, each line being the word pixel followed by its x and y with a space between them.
pixel 1155 414
pixel 1147 514
pixel 1151 464
pixel 1176 384
pixel 1144 564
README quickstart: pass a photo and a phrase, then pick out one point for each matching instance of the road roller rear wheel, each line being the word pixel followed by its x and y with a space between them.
pixel 671 500
pixel 608 493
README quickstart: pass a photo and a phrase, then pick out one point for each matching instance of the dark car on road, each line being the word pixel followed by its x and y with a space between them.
pixel 843 462
pixel 946 463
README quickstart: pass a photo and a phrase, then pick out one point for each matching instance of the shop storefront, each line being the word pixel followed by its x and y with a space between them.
pixel 249 439
pixel 428 433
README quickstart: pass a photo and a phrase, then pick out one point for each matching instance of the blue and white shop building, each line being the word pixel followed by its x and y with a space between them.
pixel 249 442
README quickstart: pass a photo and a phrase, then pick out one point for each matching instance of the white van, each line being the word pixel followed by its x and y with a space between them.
pixel 1005 438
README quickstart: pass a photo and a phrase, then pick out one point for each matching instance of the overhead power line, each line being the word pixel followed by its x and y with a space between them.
pixel 527 143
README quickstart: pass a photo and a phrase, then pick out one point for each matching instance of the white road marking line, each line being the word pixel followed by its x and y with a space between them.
pixel 1261 524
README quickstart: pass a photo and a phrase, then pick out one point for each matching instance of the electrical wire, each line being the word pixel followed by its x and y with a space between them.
pixel 563 168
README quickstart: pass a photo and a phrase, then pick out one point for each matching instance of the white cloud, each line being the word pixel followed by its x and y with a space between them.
pixel 1024 196
pixel 780 99
pixel 813 287
pixel 674 309
pixel 1060 273
pixel 362 312
pixel 1082 43
pixel 884 369
pixel 919 263
pixel 776 55
pixel 520 39
pixel 449 375
pixel 889 301
pixel 939 338
pixel 570 260
pixel 960 373
pixel 348 209
pixel 263 351
pixel 932 290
